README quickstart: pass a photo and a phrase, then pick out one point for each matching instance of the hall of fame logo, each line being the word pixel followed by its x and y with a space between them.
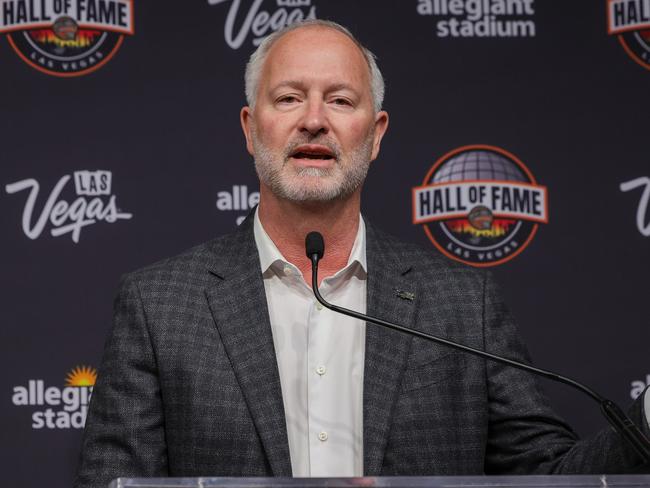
pixel 66 37
pixel 629 21
pixel 258 22
pixel 480 205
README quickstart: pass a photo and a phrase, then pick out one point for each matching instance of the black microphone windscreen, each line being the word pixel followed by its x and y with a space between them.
pixel 314 244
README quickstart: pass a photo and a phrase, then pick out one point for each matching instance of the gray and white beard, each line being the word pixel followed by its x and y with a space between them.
pixel 298 185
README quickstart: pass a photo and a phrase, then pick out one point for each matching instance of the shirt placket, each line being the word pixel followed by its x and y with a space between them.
pixel 319 340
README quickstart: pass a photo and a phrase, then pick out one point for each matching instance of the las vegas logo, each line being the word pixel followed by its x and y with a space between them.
pixel 480 205
pixel 66 37
pixel 93 203
pixel 258 22
pixel 629 21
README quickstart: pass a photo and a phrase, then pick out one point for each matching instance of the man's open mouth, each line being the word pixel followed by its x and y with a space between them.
pixel 304 155
pixel 312 152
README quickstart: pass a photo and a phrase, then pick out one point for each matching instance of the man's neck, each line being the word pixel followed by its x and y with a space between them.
pixel 288 223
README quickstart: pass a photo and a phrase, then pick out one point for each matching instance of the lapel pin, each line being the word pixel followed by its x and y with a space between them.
pixel 405 295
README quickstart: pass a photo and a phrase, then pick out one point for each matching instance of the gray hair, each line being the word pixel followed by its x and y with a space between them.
pixel 257 59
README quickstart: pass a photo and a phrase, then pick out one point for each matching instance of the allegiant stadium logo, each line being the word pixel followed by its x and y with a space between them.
pixel 629 21
pixel 480 205
pixel 56 407
pixel 66 37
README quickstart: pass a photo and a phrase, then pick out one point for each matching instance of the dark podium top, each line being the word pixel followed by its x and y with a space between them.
pixel 578 481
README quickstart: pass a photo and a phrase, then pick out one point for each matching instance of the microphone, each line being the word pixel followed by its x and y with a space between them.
pixel 315 246
pixel 315 249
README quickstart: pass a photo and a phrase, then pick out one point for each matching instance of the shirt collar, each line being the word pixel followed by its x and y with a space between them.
pixel 270 254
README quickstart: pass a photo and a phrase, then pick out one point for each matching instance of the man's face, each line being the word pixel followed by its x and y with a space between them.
pixel 313 130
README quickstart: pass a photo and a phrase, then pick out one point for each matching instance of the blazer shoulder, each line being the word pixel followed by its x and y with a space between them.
pixel 190 265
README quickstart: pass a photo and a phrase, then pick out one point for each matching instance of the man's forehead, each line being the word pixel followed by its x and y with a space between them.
pixel 301 46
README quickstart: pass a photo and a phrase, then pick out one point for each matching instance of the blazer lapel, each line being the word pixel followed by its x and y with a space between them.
pixel 238 304
pixel 389 298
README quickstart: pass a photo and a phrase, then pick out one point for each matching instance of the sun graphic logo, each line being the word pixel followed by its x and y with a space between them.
pixel 70 402
pixel 66 37
pixel 629 21
pixel 81 376
pixel 480 205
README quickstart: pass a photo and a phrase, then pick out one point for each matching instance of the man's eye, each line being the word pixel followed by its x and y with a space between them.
pixel 342 101
pixel 287 99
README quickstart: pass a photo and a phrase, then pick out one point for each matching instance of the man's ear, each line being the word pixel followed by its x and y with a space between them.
pixel 381 125
pixel 245 117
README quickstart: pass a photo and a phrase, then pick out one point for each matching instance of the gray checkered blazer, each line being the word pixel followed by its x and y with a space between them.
pixel 189 385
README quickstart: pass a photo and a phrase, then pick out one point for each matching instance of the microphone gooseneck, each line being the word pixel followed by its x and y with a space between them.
pixel 315 248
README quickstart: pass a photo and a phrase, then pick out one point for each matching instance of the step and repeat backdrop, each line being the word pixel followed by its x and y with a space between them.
pixel 518 141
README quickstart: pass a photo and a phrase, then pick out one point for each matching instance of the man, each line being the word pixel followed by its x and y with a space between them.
pixel 221 362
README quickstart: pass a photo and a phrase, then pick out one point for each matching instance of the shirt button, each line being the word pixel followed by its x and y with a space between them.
pixel 288 270
pixel 322 436
pixel 319 306
pixel 321 370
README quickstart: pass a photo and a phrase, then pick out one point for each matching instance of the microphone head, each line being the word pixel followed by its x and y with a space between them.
pixel 314 244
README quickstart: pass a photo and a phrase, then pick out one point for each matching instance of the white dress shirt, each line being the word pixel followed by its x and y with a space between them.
pixel 320 357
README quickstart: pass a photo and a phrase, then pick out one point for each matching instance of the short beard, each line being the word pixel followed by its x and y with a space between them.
pixel 298 185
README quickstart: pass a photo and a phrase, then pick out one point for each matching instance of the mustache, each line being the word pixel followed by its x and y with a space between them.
pixel 321 140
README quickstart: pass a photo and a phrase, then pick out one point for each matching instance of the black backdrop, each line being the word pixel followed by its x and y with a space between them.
pixel 161 116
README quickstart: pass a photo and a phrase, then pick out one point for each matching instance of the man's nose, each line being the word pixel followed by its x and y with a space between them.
pixel 315 119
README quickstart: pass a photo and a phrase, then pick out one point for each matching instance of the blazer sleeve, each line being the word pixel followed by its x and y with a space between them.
pixel 525 436
pixel 124 434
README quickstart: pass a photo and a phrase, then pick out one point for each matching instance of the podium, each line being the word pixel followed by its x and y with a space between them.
pixel 554 481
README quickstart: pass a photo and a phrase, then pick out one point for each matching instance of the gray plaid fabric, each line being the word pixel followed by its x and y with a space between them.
pixel 189 385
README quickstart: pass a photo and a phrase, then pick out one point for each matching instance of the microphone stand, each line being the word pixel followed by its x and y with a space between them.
pixel 612 412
